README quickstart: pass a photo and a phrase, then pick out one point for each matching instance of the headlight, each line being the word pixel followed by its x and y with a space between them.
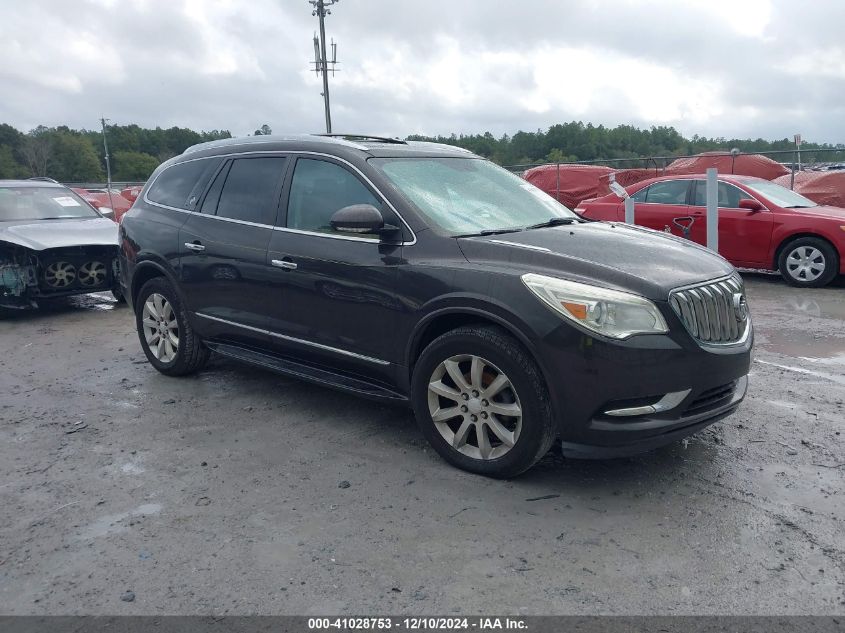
pixel 609 312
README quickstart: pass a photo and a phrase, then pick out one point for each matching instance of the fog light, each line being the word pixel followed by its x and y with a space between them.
pixel 666 403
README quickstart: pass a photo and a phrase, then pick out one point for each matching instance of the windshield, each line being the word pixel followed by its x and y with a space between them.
pixel 468 196
pixel 781 196
pixel 42 203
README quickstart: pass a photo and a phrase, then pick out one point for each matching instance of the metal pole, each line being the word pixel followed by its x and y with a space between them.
pixel 629 210
pixel 712 201
pixel 321 14
pixel 792 176
pixel 557 186
pixel 108 164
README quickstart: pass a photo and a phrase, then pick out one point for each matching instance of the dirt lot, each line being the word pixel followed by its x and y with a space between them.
pixel 222 493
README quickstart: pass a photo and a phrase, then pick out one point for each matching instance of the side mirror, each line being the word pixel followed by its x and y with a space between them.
pixel 360 218
pixel 750 204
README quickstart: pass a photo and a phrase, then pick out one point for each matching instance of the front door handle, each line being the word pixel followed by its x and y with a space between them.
pixel 283 263
pixel 194 246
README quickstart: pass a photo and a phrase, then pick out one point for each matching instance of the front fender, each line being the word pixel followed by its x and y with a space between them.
pixel 148 268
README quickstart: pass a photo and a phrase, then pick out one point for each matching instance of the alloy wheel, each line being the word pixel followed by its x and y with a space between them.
pixel 474 407
pixel 161 329
pixel 805 263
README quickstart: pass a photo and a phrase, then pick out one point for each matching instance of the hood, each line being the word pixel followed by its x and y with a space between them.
pixel 613 255
pixel 834 213
pixel 44 234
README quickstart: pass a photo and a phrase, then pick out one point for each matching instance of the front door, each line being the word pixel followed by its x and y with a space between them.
pixel 339 302
pixel 744 235
pixel 224 249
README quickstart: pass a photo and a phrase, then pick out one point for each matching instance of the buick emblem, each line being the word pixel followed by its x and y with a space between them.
pixel 740 307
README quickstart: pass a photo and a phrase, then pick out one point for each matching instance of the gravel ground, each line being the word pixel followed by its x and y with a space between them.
pixel 227 493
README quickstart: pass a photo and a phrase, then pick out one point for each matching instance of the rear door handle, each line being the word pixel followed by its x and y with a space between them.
pixel 283 263
pixel 194 246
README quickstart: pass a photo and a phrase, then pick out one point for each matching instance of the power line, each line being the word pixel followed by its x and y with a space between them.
pixel 321 62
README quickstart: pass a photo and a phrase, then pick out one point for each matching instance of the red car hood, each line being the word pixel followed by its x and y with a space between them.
pixel 834 213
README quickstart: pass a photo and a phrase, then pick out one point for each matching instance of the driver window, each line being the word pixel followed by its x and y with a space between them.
pixel 729 195
pixel 318 190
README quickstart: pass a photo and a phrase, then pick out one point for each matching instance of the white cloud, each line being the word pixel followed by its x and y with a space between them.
pixel 713 67
pixel 828 62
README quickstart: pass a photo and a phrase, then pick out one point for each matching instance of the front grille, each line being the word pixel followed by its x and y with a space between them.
pixel 711 398
pixel 715 313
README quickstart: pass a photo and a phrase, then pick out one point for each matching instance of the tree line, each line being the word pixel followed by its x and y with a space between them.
pixel 577 141
pixel 78 155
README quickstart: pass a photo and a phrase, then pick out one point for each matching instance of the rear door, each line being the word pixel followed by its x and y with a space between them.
pixel 659 204
pixel 744 235
pixel 224 248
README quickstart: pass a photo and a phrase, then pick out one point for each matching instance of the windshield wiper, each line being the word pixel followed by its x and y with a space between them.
pixel 553 222
pixel 515 229
pixel 799 206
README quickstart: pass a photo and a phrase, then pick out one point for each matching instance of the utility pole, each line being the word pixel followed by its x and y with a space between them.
pixel 108 164
pixel 321 63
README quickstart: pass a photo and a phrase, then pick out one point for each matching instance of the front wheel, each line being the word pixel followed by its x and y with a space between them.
pixel 166 335
pixel 482 403
pixel 808 261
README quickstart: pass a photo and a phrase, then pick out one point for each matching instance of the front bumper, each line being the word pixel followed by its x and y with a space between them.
pixel 665 430
pixel 606 395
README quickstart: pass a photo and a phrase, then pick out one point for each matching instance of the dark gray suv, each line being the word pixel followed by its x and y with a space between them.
pixel 422 274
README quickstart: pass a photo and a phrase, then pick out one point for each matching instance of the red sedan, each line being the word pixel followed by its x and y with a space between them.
pixel 112 207
pixel 762 225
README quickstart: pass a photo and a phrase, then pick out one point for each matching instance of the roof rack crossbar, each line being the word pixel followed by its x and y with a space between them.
pixel 367 137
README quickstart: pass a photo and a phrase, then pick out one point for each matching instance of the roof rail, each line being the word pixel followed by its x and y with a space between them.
pixel 366 137
pixel 445 146
pixel 43 179
pixel 244 140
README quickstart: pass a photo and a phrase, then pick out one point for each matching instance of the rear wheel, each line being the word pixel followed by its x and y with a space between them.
pixel 808 261
pixel 166 335
pixel 481 402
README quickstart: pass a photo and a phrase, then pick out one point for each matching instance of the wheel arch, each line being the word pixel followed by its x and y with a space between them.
pixel 146 270
pixel 446 319
pixel 792 237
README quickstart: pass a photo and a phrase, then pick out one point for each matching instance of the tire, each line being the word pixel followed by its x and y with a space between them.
pixel 455 436
pixel 189 354
pixel 801 259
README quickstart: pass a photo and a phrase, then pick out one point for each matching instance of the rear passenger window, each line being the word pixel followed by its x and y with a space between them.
pixel 667 192
pixel 320 188
pixel 641 195
pixel 180 185
pixel 252 188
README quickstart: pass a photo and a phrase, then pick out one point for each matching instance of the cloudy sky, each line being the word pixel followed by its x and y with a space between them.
pixel 743 68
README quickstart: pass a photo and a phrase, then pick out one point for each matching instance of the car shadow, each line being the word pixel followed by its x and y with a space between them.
pixel 348 416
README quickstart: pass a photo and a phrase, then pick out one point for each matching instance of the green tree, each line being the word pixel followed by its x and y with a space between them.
pixel 9 167
pixel 133 166
pixel 263 130
pixel 36 150
pixel 73 158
